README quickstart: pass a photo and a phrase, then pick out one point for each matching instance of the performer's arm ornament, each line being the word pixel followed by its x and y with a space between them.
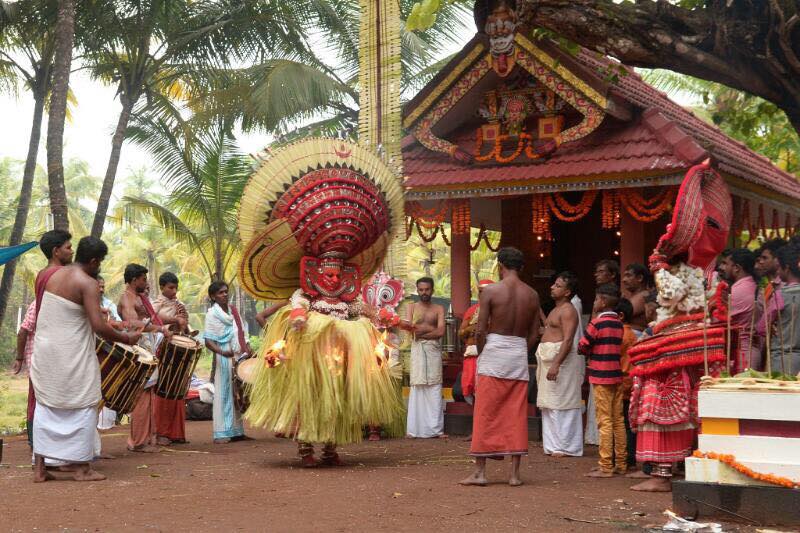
pixel 299 313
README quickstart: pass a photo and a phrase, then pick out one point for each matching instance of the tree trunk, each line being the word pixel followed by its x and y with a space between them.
pixel 113 162
pixel 65 30
pixel 21 218
pixel 749 46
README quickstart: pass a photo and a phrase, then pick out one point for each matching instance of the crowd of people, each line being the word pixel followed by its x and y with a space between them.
pixel 71 310
pixel 764 293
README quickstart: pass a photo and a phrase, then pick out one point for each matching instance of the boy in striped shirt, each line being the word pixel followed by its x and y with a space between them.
pixel 602 343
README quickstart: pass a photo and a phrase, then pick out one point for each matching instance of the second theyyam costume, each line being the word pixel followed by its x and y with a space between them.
pixel 317 217
pixel 667 367
pixel 502 387
pixel 469 369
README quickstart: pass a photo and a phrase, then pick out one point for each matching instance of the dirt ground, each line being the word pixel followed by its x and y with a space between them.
pixel 400 485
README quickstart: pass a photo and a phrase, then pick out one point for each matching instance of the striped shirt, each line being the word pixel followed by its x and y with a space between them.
pixel 602 342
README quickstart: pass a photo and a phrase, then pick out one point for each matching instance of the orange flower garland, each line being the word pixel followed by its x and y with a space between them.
pixel 644 210
pixel 460 217
pixel 524 142
pixel 567 212
pixel 541 215
pixel 731 461
pixel 483 235
pixel 428 218
pixel 610 214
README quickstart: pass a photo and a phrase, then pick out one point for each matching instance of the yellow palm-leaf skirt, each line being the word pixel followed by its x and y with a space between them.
pixel 331 382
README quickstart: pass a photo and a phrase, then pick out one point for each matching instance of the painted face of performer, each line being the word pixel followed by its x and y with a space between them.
pixel 425 291
pixel 331 278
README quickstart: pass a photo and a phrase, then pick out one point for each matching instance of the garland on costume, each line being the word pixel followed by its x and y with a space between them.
pixel 731 461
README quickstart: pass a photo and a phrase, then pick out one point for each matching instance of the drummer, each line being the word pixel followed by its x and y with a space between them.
pixel 170 415
pixel 171 311
pixel 135 309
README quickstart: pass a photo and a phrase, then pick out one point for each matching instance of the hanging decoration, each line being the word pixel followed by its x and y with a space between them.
pixel 566 212
pixel 610 214
pixel 460 217
pixel 643 209
pixel 541 215
pixel 483 235
pixel 429 218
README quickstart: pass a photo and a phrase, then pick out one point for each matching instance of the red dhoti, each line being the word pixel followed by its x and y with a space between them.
pixel 500 417
pixel 170 418
pixel 143 424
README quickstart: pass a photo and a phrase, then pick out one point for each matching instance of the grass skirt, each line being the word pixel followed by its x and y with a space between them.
pixel 331 382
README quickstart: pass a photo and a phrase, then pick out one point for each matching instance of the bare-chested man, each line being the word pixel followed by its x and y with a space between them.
pixel 635 281
pixel 559 374
pixel 508 326
pixel 64 368
pixel 425 407
pixel 132 309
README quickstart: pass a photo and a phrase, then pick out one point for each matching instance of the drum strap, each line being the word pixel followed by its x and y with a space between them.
pixel 41 282
pixel 151 311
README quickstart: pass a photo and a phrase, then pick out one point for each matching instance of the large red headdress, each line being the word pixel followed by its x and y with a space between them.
pixel 700 223
pixel 318 214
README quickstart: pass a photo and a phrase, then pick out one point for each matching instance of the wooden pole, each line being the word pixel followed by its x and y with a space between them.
pixel 728 344
pixel 705 337
pixel 780 340
pixel 767 335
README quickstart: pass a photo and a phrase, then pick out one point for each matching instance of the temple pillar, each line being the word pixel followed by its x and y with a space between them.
pixel 631 241
pixel 460 273
pixel 517 231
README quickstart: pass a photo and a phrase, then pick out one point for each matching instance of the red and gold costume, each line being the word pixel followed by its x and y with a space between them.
pixel 469 368
pixel 690 327
pixel 317 218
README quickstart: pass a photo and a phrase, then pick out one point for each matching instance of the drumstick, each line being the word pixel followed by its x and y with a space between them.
pixel 144 325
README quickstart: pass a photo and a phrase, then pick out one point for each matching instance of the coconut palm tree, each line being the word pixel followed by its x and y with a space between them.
pixel 278 94
pixel 205 174
pixel 26 57
pixel 62 61
pixel 155 51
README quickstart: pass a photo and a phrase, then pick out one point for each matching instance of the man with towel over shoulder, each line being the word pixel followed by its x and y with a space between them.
pixel 559 373
pixel 508 326
pixel 64 367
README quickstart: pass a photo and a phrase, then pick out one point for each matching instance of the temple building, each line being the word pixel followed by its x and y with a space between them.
pixel 571 156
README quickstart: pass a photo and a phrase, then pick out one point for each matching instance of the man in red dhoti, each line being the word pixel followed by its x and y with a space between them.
pixel 170 415
pixel 467 333
pixel 508 325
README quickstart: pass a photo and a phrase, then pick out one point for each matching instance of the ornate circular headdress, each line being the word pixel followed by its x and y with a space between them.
pixel 318 198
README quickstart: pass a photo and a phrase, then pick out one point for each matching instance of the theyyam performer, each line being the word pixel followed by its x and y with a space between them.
pixel 316 218
pixel 689 332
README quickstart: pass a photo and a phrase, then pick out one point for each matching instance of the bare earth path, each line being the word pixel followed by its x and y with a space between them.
pixel 399 485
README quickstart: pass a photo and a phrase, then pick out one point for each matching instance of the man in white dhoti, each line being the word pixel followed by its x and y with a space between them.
pixel 559 374
pixel 64 367
pixel 425 405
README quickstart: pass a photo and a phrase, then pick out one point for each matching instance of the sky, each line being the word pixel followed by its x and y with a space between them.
pixel 88 135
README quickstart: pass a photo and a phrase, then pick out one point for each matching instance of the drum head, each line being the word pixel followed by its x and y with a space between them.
pixel 247 369
pixel 184 341
pixel 143 356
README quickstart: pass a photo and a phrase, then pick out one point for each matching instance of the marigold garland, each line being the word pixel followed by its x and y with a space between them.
pixel 429 218
pixel 483 235
pixel 524 142
pixel 541 215
pixel 646 210
pixel 460 217
pixel 731 461
pixel 610 211
pixel 567 212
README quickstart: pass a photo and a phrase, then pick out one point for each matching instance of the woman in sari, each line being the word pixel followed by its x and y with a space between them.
pixel 225 337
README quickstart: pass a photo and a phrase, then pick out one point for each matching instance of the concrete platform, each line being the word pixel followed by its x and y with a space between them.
pixel 752 505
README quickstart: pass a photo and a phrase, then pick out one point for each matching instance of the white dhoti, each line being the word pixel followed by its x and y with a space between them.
pixel 66 378
pixel 560 400
pixel 67 435
pixel 425 404
pixel 107 418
